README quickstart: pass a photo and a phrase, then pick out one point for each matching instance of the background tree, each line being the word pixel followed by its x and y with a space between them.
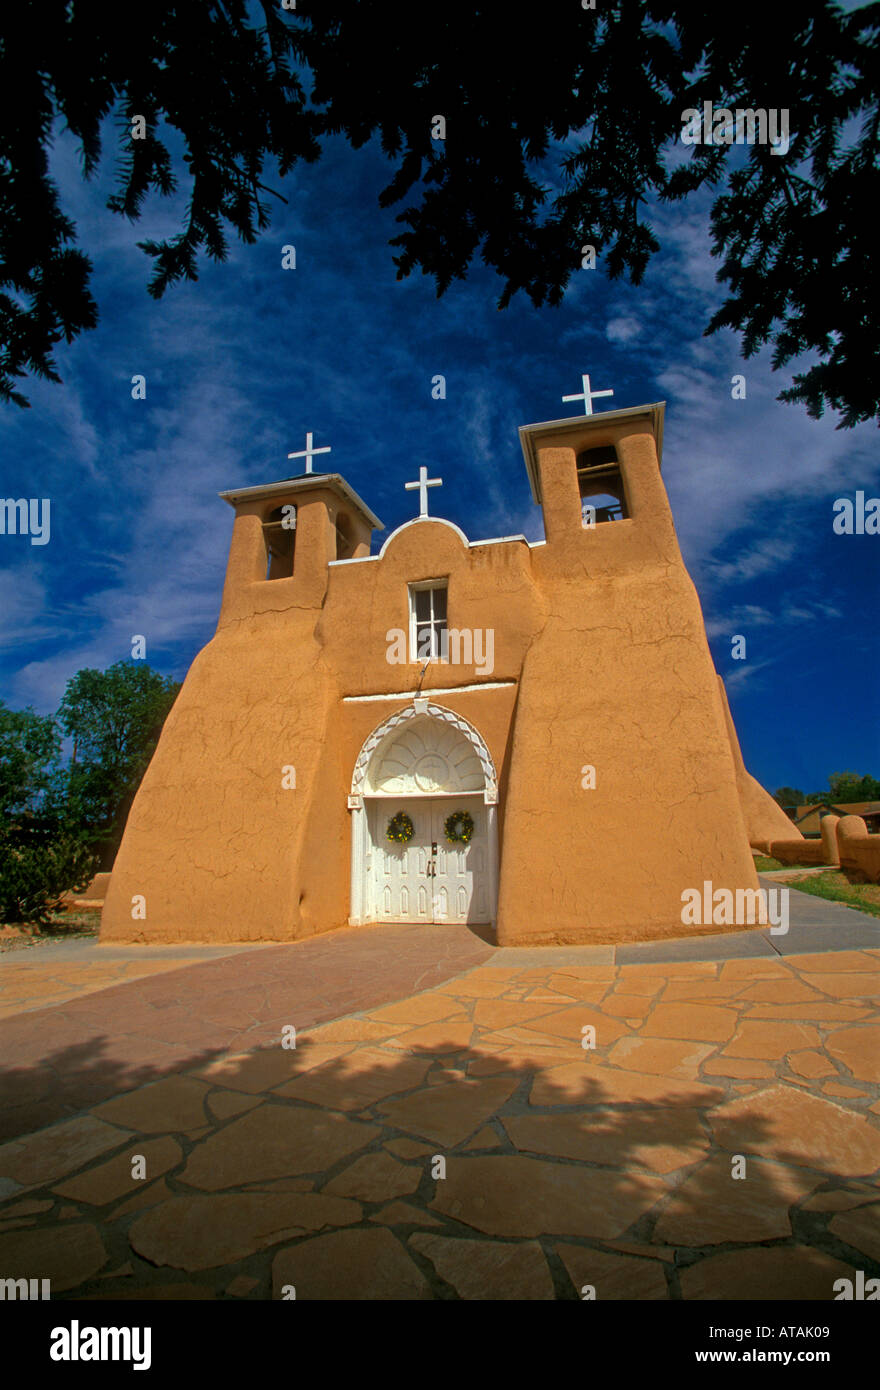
pixel 116 717
pixel 30 752
pixel 845 787
pixel 59 823
pixel 45 848
pixel 851 786
pixel 788 797
pixel 37 872
pixel 560 128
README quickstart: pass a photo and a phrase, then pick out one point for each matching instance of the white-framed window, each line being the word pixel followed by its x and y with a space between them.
pixel 427 620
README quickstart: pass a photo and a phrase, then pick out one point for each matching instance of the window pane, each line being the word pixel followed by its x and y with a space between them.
pixel 439 603
pixel 423 605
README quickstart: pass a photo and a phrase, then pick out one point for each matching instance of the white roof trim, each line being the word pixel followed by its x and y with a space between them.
pixel 334 481
pixel 498 540
pixel 418 520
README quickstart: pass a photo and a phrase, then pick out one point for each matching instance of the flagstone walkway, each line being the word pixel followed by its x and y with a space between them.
pixel 56 972
pixel 441 1131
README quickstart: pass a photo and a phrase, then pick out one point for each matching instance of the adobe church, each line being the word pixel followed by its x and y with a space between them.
pixel 525 736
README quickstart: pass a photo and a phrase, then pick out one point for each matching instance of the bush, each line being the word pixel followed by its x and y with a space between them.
pixel 35 876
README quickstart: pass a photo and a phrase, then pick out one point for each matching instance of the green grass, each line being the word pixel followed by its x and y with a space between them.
pixel 62 925
pixel 764 865
pixel 836 887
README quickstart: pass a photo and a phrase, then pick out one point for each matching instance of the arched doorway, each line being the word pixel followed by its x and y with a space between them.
pixel 429 762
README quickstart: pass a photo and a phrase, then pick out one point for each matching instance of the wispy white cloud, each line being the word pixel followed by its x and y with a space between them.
pixel 623 329
pixel 166 575
pixel 23 612
pixel 747 673
pixel 741 618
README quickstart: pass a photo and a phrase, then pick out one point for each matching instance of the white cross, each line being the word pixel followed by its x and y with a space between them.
pixel 309 452
pixel 587 396
pixel 423 484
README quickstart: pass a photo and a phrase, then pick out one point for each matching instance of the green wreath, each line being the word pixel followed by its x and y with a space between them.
pixel 459 827
pixel 400 828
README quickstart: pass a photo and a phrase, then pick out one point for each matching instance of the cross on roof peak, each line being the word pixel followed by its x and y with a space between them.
pixel 309 452
pixel 587 395
pixel 423 484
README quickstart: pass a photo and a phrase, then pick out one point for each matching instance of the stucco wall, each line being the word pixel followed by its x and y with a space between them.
pixel 621 679
pixel 213 840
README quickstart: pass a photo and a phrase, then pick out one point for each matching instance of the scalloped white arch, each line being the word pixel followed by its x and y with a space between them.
pixel 400 718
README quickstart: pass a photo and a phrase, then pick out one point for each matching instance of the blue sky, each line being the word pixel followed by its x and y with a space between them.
pixel 240 365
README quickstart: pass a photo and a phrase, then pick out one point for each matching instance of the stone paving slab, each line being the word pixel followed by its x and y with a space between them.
pixel 661 1130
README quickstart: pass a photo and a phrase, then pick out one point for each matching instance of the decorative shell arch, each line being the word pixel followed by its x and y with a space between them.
pixel 424 751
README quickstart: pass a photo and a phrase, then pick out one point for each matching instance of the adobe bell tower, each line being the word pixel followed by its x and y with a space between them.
pixel 597 480
pixel 620 732
pixel 284 537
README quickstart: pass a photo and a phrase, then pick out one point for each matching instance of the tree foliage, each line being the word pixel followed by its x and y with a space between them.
pixel 787 797
pixel 843 788
pixel 30 749
pixel 36 873
pixel 59 822
pixel 197 66
pixel 560 127
pixel 45 847
pixel 115 718
pixel 852 786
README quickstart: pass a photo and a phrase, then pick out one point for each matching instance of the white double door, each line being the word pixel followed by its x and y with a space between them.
pixel 428 879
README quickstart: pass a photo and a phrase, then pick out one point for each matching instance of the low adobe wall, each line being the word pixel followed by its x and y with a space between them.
pixel 797 851
pixel 822 851
pixel 859 852
pixel 92 895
